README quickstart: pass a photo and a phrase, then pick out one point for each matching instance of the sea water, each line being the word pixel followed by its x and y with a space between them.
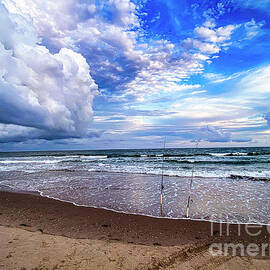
pixel 229 184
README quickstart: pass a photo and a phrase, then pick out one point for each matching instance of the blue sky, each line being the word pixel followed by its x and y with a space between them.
pixel 93 74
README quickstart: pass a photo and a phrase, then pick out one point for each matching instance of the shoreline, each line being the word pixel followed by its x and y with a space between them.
pixel 24 203
pixel 41 233
pixel 40 193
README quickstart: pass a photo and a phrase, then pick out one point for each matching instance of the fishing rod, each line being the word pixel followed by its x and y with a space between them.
pixel 162 179
pixel 190 187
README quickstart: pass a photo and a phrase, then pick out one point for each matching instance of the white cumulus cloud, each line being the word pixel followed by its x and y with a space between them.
pixel 49 92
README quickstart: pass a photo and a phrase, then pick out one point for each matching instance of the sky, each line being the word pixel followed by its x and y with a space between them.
pixel 103 74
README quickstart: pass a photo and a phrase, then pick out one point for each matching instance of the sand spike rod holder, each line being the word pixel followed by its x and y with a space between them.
pixel 190 188
pixel 161 183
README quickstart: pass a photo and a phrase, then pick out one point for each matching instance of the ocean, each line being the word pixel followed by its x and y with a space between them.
pixel 229 184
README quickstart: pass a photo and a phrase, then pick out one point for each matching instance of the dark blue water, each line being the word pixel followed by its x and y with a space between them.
pixel 215 162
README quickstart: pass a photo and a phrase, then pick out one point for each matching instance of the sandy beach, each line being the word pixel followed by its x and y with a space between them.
pixel 42 233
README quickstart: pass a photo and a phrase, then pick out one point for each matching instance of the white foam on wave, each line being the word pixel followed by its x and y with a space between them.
pixel 93 157
pixel 28 161
pixel 66 157
pixel 236 154
pixel 239 154
pixel 182 173
pixel 219 154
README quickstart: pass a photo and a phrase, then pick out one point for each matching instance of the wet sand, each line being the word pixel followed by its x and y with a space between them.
pixel 42 233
